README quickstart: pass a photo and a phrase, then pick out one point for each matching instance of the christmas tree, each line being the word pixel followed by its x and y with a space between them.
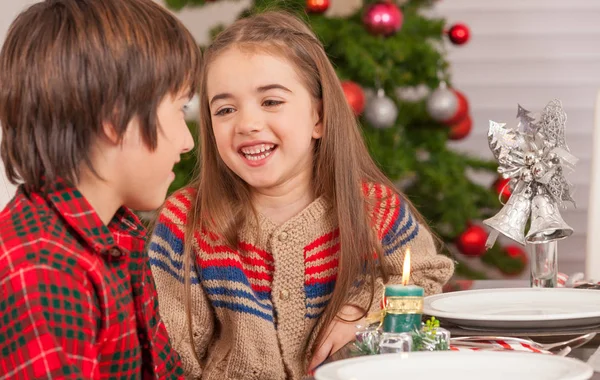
pixel 390 59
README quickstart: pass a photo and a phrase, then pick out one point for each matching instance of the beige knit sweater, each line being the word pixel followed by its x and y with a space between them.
pixel 255 309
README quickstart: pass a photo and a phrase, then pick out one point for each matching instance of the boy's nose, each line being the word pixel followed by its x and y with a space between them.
pixel 188 141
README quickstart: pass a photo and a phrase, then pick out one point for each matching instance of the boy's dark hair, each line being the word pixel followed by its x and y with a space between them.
pixel 68 66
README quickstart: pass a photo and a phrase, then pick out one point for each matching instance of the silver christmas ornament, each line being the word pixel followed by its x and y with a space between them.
pixel 511 219
pixel 527 176
pixel 530 158
pixel 381 111
pixel 528 192
pixel 412 94
pixel 442 104
pixel 526 122
pixel 538 170
pixel 546 222
pixel 534 155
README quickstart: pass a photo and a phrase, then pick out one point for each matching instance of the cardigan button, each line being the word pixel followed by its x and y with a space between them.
pixel 284 295
pixel 115 252
pixel 283 236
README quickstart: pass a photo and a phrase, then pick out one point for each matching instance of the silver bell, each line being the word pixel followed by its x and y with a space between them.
pixel 546 222
pixel 512 218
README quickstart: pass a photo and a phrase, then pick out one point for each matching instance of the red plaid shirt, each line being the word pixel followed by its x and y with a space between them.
pixel 77 298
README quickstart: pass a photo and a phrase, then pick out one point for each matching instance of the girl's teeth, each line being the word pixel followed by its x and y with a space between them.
pixel 260 157
pixel 259 149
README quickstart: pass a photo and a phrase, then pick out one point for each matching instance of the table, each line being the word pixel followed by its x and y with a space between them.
pixel 581 353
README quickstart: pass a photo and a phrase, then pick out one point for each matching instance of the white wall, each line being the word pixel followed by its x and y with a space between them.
pixel 521 51
pixel 6 188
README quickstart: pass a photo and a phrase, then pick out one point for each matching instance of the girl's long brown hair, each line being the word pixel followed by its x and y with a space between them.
pixel 341 162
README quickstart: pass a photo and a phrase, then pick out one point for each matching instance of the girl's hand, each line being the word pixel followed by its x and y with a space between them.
pixel 339 333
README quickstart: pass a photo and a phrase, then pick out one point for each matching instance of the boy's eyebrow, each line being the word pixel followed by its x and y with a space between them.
pixel 264 88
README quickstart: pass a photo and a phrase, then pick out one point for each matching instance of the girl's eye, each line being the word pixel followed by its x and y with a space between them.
pixel 272 103
pixel 224 111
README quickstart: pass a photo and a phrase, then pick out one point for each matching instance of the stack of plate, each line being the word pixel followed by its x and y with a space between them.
pixel 517 309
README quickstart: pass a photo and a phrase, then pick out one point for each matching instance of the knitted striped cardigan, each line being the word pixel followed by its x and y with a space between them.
pixel 255 310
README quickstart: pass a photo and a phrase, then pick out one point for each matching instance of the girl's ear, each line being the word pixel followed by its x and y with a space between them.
pixel 318 120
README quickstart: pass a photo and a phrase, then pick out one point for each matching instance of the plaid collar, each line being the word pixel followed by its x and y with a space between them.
pixel 79 215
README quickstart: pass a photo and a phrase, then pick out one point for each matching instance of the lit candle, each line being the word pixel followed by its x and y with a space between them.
pixel 403 303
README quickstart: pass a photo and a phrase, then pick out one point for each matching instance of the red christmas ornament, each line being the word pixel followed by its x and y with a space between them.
pixel 472 241
pixel 502 188
pixel 461 129
pixel 383 18
pixel 517 253
pixel 317 6
pixel 459 34
pixel 355 96
pixel 456 285
pixel 461 111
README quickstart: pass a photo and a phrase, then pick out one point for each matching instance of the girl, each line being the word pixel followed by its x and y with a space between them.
pixel 265 263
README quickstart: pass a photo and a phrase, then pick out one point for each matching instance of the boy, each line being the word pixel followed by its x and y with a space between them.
pixel 92 95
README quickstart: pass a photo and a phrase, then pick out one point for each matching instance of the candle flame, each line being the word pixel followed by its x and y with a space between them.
pixel 406 268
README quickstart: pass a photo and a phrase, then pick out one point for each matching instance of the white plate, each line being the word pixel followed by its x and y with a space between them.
pixel 513 309
pixel 463 365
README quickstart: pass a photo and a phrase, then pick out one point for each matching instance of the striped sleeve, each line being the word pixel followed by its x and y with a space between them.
pixel 400 231
pixel 166 261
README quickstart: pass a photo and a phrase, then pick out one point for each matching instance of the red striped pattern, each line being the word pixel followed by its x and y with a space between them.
pixel 257 264
pixel 385 209
pixel 499 344
pixel 321 259
pixel 177 208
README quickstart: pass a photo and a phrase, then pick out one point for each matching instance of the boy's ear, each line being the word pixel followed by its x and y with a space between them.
pixel 110 132
pixel 318 120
